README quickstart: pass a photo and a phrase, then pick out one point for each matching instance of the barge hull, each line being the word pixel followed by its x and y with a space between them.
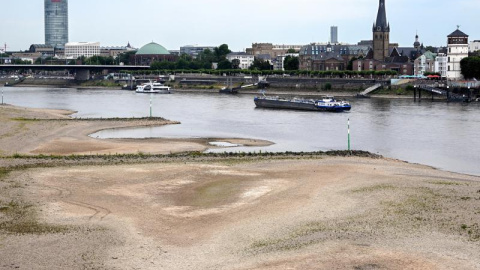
pixel 276 104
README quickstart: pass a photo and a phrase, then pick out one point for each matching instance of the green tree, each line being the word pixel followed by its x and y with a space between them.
pixel 221 52
pixel 259 64
pixel 470 67
pixel 162 65
pixel 224 64
pixel 475 53
pixel 291 51
pixel 236 63
pixel 40 60
pixel 182 63
pixel 291 63
pixel 350 63
pixel 125 57
pixel 20 62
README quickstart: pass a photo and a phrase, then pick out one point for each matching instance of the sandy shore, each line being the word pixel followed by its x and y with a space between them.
pixel 281 212
pixel 53 132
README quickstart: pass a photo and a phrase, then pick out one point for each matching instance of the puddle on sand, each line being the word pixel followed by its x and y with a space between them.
pixel 224 144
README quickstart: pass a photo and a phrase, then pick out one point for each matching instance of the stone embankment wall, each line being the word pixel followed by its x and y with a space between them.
pixel 293 82
pixel 41 82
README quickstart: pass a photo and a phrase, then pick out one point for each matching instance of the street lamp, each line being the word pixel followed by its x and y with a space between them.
pixel 469 93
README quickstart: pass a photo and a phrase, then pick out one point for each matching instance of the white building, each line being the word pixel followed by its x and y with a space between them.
pixel 73 50
pixel 474 46
pixel 457 50
pixel 441 64
pixel 246 60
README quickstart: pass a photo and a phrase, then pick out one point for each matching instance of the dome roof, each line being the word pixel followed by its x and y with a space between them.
pixel 152 48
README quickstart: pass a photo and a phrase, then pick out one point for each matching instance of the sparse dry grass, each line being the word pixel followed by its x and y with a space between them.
pixel 21 218
pixel 420 209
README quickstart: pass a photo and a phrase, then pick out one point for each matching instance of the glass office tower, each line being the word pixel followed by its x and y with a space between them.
pixel 334 34
pixel 56 23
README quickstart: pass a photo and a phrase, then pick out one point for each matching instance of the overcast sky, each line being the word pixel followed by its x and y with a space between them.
pixel 238 23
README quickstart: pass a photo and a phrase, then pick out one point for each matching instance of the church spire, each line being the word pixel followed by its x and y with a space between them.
pixel 382 24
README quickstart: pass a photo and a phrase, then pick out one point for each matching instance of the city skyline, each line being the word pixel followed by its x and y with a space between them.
pixel 239 24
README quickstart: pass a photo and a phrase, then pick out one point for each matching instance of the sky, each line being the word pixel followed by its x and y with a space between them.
pixel 238 23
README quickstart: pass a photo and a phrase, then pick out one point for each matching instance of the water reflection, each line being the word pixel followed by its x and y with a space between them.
pixel 440 134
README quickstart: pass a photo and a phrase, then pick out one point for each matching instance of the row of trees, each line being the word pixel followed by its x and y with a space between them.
pixel 470 67
pixel 219 55
pixel 331 73
pixel 204 60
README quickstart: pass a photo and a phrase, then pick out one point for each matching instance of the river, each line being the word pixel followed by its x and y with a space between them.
pixel 440 134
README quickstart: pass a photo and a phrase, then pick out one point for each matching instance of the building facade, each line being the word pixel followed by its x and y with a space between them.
pixel 56 22
pixel 457 50
pixel 381 34
pixel 271 49
pixel 325 56
pixel 27 56
pixel 246 60
pixel 45 50
pixel 73 50
pixel 441 64
pixel 424 64
pixel 114 51
pixel 195 50
pixel 474 46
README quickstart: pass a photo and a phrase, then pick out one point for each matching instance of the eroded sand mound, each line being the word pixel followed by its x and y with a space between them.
pixel 328 213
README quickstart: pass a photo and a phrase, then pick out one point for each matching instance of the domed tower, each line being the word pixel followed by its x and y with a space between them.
pixel 381 34
pixel 416 44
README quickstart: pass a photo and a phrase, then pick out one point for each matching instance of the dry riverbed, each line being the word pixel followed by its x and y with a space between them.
pixel 228 212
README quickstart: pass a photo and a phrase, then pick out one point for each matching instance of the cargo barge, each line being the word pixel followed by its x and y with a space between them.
pixel 326 104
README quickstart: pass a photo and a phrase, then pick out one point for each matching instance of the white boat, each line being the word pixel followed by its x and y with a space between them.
pixel 153 88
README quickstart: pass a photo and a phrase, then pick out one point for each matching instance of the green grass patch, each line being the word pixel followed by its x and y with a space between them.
pixel 235 155
pixel 215 193
pixel 102 83
pixel 445 183
pixel 20 218
pixel 25 120
pixel 3 173
pixel 380 187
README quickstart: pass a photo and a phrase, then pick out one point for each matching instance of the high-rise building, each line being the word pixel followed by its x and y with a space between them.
pixel 381 34
pixel 56 23
pixel 334 34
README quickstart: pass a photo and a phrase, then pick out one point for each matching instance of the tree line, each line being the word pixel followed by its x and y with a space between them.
pixel 306 73
pixel 471 67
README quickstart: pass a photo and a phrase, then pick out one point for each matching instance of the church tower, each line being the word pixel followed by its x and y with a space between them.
pixel 381 34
